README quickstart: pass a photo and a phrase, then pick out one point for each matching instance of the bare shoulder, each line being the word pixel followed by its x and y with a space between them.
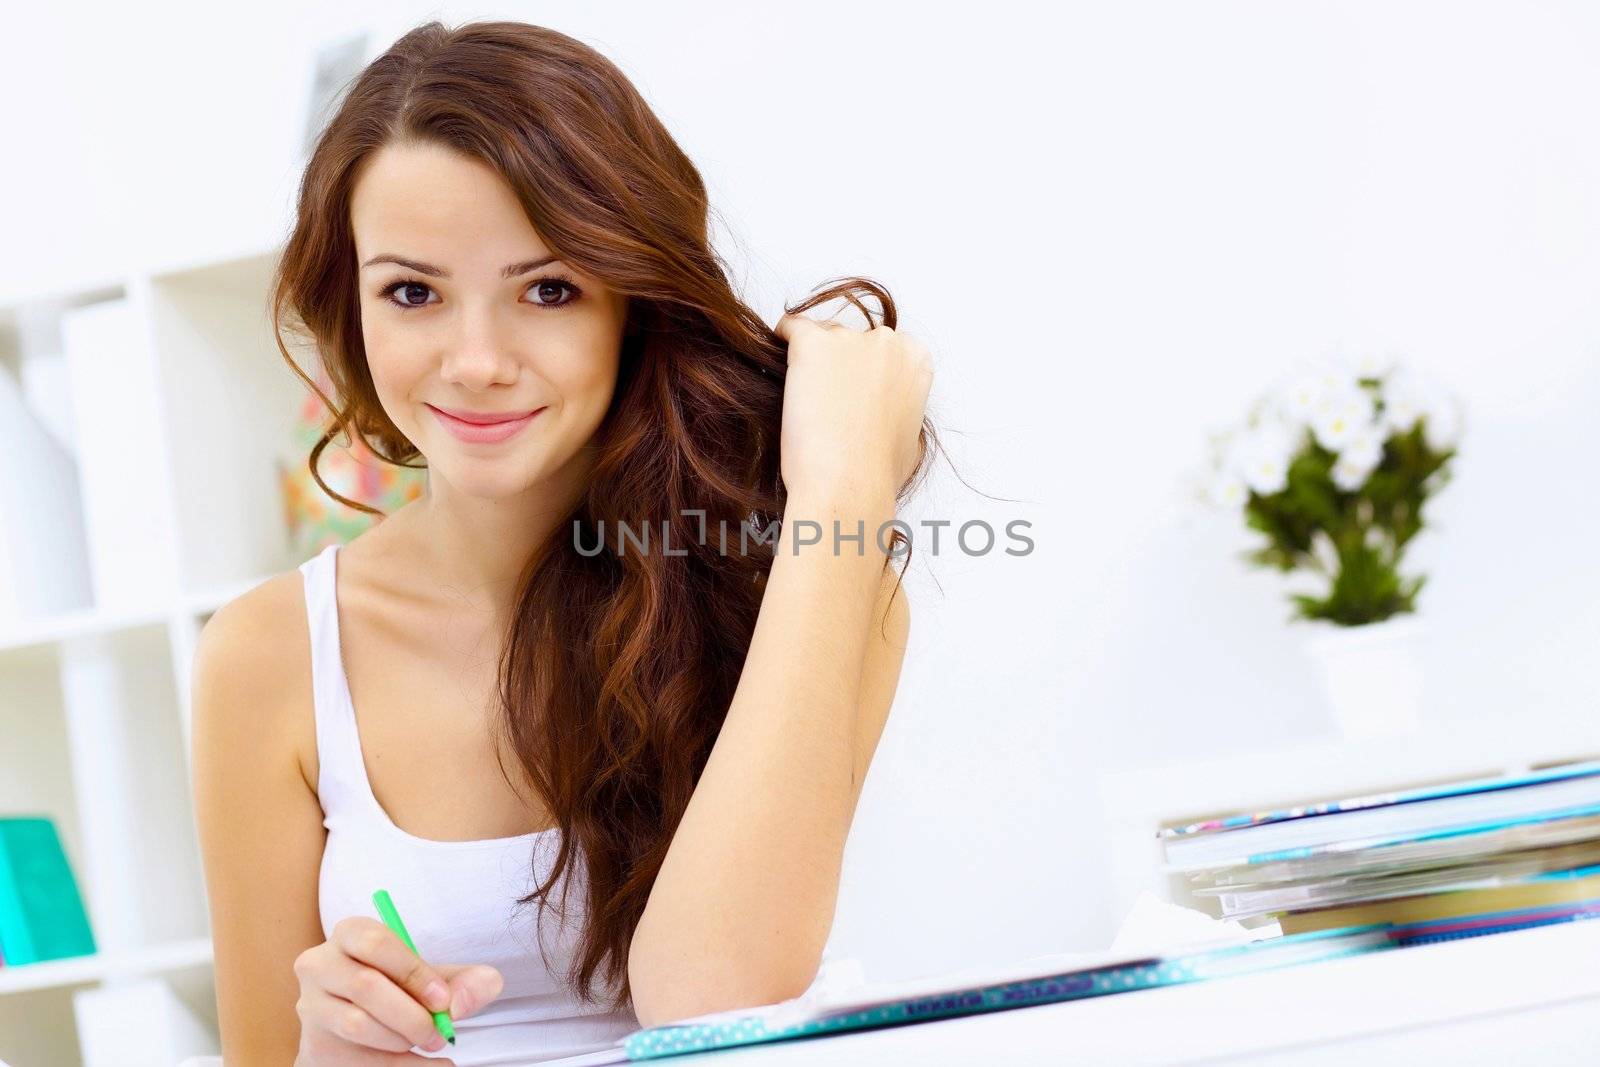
pixel 257 635
pixel 260 821
pixel 263 612
pixel 252 667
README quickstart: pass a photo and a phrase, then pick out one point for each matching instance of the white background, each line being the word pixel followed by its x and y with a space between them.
pixel 1115 224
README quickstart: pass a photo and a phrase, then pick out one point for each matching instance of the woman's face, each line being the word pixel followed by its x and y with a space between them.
pixel 480 320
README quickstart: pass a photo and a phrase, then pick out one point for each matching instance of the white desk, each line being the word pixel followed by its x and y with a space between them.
pixel 1528 996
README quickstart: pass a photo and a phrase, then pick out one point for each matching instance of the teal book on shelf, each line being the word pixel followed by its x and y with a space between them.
pixel 41 911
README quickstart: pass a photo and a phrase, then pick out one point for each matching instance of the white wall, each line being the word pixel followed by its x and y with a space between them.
pixel 1114 223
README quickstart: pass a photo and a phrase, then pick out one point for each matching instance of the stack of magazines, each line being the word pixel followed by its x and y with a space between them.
pixel 1450 860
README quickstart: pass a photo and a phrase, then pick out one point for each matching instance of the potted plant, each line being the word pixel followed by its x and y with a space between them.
pixel 1334 470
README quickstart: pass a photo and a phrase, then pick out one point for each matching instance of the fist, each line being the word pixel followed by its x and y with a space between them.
pixel 366 999
pixel 853 402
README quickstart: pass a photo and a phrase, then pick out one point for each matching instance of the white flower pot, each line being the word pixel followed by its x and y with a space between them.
pixel 1370 676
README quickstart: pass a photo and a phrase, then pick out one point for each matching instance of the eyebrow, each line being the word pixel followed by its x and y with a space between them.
pixel 439 272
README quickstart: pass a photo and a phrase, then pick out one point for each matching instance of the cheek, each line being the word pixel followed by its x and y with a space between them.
pixel 599 385
pixel 586 374
pixel 395 366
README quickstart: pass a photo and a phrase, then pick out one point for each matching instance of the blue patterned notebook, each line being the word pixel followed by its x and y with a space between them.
pixel 871 1007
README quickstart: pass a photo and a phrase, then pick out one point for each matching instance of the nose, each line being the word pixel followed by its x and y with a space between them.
pixel 481 356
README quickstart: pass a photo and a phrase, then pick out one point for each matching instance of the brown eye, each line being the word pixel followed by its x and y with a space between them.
pixel 407 289
pixel 547 292
pixel 408 294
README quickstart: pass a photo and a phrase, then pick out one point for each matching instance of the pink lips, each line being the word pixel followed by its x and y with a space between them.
pixel 476 428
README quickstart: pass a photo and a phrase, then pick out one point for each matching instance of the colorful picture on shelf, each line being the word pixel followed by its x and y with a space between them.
pixel 316 520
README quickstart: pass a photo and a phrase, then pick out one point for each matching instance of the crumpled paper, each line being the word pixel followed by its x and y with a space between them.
pixel 1155 925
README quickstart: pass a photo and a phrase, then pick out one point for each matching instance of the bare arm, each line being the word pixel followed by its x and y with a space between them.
pixel 742 907
pixel 259 820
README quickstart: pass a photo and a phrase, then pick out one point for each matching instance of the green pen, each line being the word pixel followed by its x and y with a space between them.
pixel 391 919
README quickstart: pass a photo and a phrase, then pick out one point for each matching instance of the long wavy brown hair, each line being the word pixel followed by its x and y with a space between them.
pixel 619 667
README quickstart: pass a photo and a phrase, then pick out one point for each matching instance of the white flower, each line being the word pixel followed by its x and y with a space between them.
pixel 1403 397
pixel 1227 490
pixel 1359 458
pixel 1441 422
pixel 1365 447
pixel 1408 396
pixel 1350 476
pixel 1299 401
pixel 1371 365
pixel 1262 456
pixel 1342 415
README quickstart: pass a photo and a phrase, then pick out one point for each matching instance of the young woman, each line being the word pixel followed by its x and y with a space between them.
pixel 615 662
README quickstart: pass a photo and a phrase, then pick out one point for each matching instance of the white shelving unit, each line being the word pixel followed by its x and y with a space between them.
pixel 178 420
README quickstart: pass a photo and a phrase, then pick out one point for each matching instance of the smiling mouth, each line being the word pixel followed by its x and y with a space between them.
pixel 483 432
pixel 477 419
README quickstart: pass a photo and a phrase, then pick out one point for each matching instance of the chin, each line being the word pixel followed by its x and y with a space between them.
pixel 490 479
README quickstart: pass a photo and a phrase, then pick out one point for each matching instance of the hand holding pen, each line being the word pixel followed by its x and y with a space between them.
pixel 367 997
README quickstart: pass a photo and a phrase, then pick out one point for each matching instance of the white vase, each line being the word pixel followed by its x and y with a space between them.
pixel 1371 675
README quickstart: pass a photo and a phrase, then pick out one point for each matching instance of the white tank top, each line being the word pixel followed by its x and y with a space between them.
pixel 458 898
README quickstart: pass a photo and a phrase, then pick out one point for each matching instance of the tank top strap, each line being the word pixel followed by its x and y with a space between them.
pixel 341 776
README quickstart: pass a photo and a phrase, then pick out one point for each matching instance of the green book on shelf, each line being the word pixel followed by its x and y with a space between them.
pixel 41 913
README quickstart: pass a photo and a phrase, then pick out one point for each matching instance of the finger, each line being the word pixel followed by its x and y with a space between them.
pixel 388 1004
pixel 471 987
pixel 369 941
pixel 351 1023
pixel 799 323
pixel 792 325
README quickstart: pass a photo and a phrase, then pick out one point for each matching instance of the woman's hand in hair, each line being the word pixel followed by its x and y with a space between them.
pixel 853 404
pixel 367 999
